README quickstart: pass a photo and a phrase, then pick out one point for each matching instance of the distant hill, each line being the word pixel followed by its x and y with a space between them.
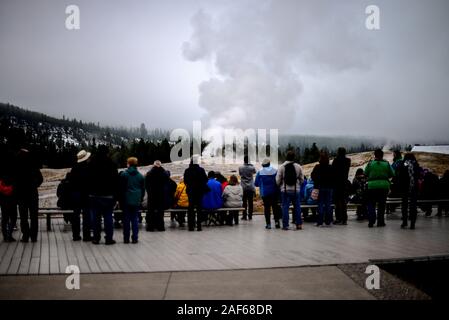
pixel 56 141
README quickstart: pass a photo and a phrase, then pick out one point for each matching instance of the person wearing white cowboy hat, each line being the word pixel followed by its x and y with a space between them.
pixel 78 180
pixel 83 155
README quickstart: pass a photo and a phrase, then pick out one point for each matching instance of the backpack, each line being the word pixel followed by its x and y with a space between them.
pixel 64 193
pixel 290 176
pixel 5 189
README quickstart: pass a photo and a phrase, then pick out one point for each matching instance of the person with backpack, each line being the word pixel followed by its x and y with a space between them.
pixel 196 180
pixel 132 186
pixel 156 182
pixel 359 186
pixel 76 193
pixel 323 177
pixel 247 172
pixel 170 190
pixel 269 191
pixel 289 179
pixel 8 203
pixel 379 173
pixel 232 198
pixel 103 187
pixel 27 179
pixel 407 175
pixel 341 165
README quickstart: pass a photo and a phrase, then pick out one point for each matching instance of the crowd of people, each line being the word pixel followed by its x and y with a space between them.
pixel 94 187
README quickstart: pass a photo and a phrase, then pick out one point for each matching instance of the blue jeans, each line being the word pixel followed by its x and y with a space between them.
pixel 102 207
pixel 288 197
pixel 325 206
pixel 130 216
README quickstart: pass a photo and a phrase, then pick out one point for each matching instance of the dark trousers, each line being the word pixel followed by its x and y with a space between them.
pixel 102 207
pixel 325 206
pixel 76 223
pixel 409 208
pixel 195 212
pixel 341 206
pixel 9 217
pixel 28 209
pixel 443 207
pixel 377 198
pixel 232 217
pixel 180 217
pixel 271 204
pixel 130 219
pixel 248 198
pixel 155 217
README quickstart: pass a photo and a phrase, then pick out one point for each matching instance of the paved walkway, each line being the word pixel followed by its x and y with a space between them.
pixel 262 284
pixel 246 246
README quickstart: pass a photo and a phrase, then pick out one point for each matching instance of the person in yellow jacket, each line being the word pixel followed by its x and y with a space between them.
pixel 181 202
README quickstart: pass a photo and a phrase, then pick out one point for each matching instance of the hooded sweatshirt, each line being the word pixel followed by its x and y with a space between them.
pixel 233 196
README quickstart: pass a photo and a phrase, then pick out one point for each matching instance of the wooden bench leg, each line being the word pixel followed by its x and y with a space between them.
pixel 48 222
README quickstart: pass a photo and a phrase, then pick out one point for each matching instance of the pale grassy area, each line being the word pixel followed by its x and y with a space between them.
pixel 436 162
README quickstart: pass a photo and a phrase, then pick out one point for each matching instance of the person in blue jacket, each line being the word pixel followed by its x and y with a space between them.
pixel 269 191
pixel 212 200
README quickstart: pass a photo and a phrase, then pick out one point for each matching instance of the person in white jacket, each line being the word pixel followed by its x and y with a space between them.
pixel 233 198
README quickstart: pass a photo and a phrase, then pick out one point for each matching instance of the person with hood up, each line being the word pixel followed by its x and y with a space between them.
pixel 233 198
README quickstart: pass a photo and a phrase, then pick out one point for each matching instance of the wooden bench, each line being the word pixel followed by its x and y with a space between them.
pixel 212 215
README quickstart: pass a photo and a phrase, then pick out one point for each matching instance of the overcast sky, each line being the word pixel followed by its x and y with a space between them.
pixel 307 67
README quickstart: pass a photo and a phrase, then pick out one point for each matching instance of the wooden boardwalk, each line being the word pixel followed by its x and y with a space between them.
pixel 245 246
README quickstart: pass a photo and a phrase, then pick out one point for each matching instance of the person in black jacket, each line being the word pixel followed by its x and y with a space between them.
pixel 430 191
pixel 196 180
pixel 407 175
pixel 27 180
pixel 323 176
pixel 103 184
pixel 444 194
pixel 8 202
pixel 156 181
pixel 79 176
pixel 341 165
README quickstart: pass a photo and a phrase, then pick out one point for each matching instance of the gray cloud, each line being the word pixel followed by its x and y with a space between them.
pixel 307 67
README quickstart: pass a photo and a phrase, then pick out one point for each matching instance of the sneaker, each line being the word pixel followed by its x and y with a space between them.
pixel 337 222
pixel 95 242
pixel 370 225
pixel 403 226
pixel 278 225
pixel 319 225
pixel 298 227
pixel 78 238
pixel 268 226
pixel 381 225
pixel 199 229
pixel 244 218
pixel 126 241
pixel 110 242
pixel 344 223
pixel 285 228
pixel 134 241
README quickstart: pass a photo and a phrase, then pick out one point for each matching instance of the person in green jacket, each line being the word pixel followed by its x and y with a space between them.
pixel 132 192
pixel 379 173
